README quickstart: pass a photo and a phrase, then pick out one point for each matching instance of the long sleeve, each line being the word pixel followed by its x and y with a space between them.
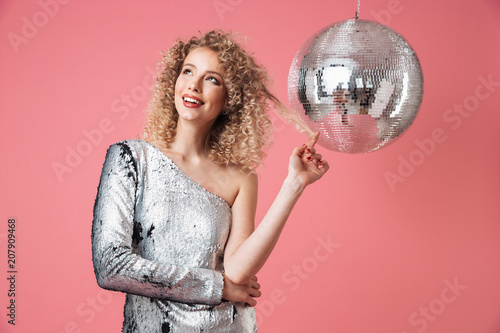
pixel 117 264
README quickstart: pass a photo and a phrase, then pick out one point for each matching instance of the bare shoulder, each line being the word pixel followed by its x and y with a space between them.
pixel 243 178
pixel 246 184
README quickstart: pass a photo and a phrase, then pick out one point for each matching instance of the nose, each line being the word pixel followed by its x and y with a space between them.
pixel 195 85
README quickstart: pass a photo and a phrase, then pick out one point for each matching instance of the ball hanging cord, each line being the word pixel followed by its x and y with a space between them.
pixel 357 12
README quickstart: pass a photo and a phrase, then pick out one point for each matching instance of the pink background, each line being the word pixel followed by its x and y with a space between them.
pixel 396 248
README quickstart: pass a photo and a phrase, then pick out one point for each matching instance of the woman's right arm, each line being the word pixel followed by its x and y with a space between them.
pixel 118 268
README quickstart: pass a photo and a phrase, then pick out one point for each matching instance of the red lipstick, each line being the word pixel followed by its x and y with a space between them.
pixel 191 101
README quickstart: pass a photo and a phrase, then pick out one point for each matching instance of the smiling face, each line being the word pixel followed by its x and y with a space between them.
pixel 200 93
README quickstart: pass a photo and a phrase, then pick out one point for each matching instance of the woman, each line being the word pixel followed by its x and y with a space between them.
pixel 174 215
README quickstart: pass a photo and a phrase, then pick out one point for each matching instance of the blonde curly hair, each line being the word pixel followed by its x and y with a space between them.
pixel 241 132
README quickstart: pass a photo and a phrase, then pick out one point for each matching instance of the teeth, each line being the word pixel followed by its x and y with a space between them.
pixel 190 100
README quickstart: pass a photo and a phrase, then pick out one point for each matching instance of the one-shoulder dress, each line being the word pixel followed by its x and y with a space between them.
pixel 159 237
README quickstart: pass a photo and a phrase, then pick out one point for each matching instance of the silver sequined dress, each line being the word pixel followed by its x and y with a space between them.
pixel 160 237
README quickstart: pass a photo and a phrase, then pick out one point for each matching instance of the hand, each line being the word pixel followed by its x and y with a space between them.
pixel 306 166
pixel 241 292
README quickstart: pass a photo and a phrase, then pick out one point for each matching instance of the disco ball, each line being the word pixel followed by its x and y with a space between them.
pixel 357 82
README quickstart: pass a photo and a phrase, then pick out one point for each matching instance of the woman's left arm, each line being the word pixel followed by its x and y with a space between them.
pixel 247 249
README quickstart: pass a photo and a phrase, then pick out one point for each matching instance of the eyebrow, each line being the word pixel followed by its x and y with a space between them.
pixel 213 72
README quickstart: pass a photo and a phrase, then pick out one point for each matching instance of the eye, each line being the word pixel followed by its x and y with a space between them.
pixel 213 80
pixel 186 71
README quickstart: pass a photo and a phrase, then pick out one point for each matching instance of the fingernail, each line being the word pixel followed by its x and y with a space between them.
pixel 308 150
pixel 308 158
pixel 304 144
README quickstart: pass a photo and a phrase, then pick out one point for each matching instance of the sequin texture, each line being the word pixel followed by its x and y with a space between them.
pixel 160 237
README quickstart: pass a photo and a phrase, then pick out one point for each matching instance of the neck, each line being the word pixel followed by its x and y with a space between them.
pixel 191 141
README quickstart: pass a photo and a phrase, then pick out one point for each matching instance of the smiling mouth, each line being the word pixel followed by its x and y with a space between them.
pixel 192 100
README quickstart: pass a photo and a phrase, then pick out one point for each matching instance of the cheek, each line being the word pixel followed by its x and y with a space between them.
pixel 178 86
pixel 222 99
pixel 215 95
pixel 177 93
pixel 222 96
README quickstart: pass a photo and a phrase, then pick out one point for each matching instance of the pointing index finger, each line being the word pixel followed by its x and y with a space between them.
pixel 313 139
